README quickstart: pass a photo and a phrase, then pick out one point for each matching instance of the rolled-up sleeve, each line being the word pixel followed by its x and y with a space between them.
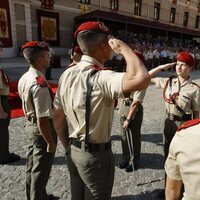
pixel 139 95
pixel 111 84
pixel 171 165
pixel 57 100
pixel 42 108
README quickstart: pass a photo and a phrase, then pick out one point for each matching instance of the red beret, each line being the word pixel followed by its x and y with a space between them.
pixel 77 49
pixel 186 58
pixel 36 44
pixel 139 55
pixel 93 26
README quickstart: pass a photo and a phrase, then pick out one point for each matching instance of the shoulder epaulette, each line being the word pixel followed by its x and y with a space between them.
pixel 41 81
pixel 196 84
pixel 188 124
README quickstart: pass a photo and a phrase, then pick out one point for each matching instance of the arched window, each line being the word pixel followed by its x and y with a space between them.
pixel 114 5
pixel 172 15
pixel 156 14
pixel 138 7
pixel 185 18
pixel 197 21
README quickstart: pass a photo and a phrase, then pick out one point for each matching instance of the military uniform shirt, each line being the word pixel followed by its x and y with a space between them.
pixel 184 160
pixel 135 96
pixel 40 95
pixel 4 89
pixel 71 98
pixel 188 99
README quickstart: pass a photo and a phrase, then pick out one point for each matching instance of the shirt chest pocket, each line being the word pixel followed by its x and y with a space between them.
pixel 184 101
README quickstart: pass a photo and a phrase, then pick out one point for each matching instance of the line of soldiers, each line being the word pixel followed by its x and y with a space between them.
pixel 86 98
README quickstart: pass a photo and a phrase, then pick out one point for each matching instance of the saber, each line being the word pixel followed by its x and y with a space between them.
pixel 130 142
pixel 130 146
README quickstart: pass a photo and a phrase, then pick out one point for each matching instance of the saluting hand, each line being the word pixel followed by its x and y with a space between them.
pixel 167 66
pixel 117 45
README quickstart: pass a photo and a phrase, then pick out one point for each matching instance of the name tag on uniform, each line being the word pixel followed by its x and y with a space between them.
pixel 185 98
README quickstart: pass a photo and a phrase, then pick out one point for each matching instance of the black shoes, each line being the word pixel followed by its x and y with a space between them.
pixel 11 158
pixel 123 165
pixel 128 167
pixel 161 194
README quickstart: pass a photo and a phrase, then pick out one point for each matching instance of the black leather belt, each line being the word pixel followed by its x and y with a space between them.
pixel 93 147
pixel 185 117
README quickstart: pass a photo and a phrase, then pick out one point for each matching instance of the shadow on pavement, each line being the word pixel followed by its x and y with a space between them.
pixel 151 161
pixel 115 138
pixel 147 161
pixel 22 161
pixel 144 196
pixel 58 160
pixel 153 138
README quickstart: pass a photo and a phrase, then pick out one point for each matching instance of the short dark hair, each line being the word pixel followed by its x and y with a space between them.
pixel 90 40
pixel 32 54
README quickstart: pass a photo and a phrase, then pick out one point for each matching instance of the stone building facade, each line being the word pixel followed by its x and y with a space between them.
pixel 55 20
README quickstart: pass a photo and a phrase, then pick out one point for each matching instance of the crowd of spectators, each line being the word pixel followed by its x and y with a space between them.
pixel 155 55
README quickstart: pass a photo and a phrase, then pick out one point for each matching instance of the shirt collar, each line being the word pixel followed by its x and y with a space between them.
pixel 35 71
pixel 91 60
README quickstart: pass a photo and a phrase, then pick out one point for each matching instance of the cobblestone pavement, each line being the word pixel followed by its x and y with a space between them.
pixel 143 184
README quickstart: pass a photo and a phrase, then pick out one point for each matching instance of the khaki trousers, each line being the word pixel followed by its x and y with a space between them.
pixel 135 130
pixel 39 163
pixel 92 174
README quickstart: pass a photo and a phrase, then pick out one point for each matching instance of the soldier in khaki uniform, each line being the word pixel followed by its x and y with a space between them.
pixel 181 96
pixel 132 109
pixel 5 155
pixel 182 164
pixel 89 157
pixel 37 106
pixel 131 116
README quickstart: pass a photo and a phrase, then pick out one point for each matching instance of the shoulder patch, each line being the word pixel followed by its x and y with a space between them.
pixel 41 81
pixel 188 124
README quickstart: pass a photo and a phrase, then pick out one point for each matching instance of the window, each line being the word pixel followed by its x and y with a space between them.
pixel 197 21
pixel 138 7
pixel 156 14
pixel 185 18
pixel 84 1
pixel 114 4
pixel 172 15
